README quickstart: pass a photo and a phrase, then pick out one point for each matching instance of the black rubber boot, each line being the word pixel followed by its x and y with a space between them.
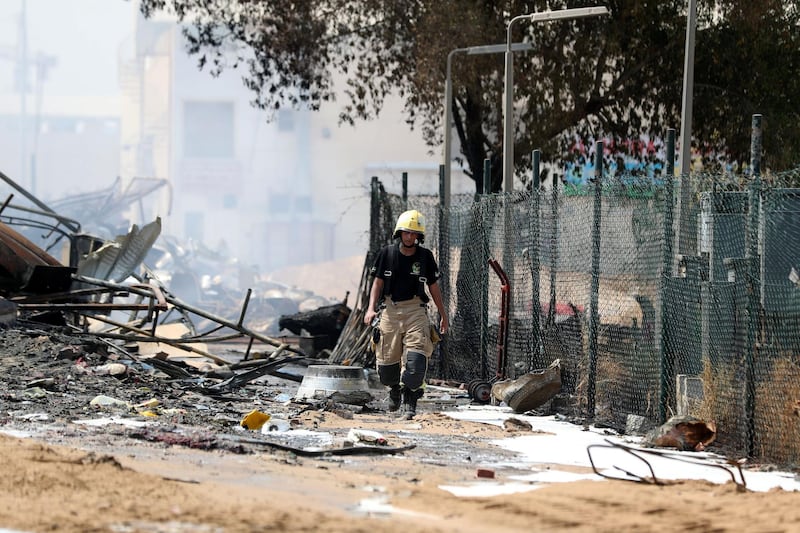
pixel 395 397
pixel 410 398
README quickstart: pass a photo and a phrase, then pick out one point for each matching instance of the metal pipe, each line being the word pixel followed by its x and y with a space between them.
pixel 502 333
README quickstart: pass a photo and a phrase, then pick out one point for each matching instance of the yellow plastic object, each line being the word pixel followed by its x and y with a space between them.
pixel 254 420
pixel 149 404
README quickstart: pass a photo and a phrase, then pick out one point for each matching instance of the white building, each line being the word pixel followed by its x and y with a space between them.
pixel 291 191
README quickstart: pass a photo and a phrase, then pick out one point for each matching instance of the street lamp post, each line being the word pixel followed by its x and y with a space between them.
pixel 508 101
pixel 448 101
pixel 685 228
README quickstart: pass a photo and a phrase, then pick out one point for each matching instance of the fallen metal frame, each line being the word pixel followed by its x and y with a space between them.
pixel 151 300
pixel 731 468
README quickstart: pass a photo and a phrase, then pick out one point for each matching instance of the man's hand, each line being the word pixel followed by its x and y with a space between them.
pixel 369 316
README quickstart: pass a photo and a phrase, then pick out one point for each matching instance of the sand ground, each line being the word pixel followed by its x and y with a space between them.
pixel 192 467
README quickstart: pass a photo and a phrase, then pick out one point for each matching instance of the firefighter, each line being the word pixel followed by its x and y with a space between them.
pixel 403 272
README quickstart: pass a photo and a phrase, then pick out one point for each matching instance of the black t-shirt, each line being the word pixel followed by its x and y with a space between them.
pixel 405 279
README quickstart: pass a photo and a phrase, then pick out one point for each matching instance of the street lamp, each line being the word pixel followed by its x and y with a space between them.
pixel 685 226
pixel 508 102
pixel 448 97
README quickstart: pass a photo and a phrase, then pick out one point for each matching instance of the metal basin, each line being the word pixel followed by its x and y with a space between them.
pixel 320 381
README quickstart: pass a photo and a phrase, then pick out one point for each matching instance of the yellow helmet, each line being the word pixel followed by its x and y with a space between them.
pixel 412 221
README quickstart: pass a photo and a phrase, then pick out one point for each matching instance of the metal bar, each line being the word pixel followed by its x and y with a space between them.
pixel 5 204
pixel 497 48
pixel 244 307
pixel 84 307
pixel 665 454
pixel 35 298
pixel 630 475
pixel 71 224
pixel 249 347
pixel 146 337
pixel 238 380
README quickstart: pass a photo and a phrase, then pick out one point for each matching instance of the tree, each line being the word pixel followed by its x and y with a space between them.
pixel 616 78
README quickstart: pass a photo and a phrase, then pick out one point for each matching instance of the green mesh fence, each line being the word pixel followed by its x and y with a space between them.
pixel 698 300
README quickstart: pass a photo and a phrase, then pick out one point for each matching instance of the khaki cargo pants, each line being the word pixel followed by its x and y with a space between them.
pixel 404 328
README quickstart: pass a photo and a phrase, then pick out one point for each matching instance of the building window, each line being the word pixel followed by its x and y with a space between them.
pixel 285 120
pixel 194 222
pixel 229 201
pixel 279 203
pixel 302 204
pixel 208 129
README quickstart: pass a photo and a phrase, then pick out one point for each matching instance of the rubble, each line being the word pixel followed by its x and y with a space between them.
pixel 530 390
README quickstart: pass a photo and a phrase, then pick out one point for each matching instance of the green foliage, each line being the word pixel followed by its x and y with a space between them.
pixel 615 78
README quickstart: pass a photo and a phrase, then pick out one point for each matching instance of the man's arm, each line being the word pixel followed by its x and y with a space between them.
pixel 436 294
pixel 374 295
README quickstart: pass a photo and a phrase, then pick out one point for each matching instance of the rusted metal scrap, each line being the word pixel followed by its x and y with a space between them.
pixel 40 289
pixel 731 466
pixel 347 450
pixel 327 321
pixel 683 433
pixel 118 260
pixel 25 267
pixel 530 390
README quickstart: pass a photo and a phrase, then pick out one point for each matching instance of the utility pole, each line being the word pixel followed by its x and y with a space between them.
pixel 22 85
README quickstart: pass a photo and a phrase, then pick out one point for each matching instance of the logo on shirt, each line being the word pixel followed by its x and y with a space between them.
pixel 416 268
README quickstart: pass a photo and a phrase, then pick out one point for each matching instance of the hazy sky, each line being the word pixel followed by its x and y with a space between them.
pixel 83 35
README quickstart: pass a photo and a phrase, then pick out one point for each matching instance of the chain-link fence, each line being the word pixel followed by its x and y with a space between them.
pixel 697 303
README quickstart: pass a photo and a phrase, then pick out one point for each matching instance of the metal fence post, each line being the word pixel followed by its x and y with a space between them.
pixel 534 259
pixel 405 191
pixel 666 356
pixel 375 240
pixel 444 259
pixel 487 176
pixel 753 280
pixel 551 311
pixel 484 272
pixel 594 316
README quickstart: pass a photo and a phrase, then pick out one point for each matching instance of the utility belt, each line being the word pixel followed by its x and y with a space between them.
pixel 414 301
pixel 411 303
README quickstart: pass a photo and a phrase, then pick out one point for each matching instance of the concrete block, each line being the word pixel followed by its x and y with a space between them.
pixel 689 394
